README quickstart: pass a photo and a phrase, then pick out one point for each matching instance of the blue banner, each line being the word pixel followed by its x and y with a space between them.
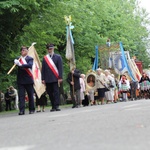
pixel 95 65
pixel 125 62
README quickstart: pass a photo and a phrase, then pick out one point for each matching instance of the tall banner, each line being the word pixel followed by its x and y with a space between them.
pixel 122 63
pixel 126 63
pixel 36 70
pixel 95 65
pixel 70 56
pixel 137 75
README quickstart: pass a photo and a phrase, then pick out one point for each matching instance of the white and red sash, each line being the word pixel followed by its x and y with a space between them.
pixel 28 70
pixel 51 65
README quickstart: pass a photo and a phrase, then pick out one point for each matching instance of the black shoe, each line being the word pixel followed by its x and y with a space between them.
pixel 52 110
pixel 31 112
pixel 21 113
pixel 57 109
pixel 73 106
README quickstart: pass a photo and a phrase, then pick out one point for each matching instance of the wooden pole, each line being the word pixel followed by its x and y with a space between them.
pixel 11 69
pixel 73 85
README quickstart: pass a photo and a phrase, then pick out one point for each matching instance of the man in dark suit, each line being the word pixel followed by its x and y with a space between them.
pixel 52 71
pixel 74 82
pixel 25 80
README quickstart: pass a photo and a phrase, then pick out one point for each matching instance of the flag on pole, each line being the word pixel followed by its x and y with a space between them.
pixel 122 63
pixel 36 70
pixel 126 62
pixel 70 56
pixel 95 65
pixel 134 69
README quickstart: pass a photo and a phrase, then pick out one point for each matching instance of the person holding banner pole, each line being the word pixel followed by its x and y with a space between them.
pixel 25 80
pixel 73 79
pixel 52 72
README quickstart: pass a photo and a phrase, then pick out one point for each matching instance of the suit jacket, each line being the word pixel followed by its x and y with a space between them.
pixel 22 76
pixel 76 79
pixel 47 73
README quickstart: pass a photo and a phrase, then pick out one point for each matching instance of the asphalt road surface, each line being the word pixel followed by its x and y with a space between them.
pixel 121 126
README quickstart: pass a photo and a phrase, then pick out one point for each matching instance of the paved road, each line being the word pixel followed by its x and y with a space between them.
pixel 121 126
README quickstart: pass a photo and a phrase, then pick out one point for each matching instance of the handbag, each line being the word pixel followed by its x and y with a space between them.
pixel 111 85
pixel 96 93
pixel 106 88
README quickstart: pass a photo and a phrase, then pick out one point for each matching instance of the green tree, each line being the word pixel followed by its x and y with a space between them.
pixel 95 21
pixel 14 15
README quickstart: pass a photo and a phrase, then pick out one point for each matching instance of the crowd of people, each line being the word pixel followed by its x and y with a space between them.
pixel 98 88
pixel 9 99
pixel 106 88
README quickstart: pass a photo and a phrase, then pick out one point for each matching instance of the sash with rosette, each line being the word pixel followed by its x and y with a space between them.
pixel 51 65
pixel 28 70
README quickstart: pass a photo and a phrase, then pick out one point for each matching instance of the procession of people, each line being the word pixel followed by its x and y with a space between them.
pixel 100 87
